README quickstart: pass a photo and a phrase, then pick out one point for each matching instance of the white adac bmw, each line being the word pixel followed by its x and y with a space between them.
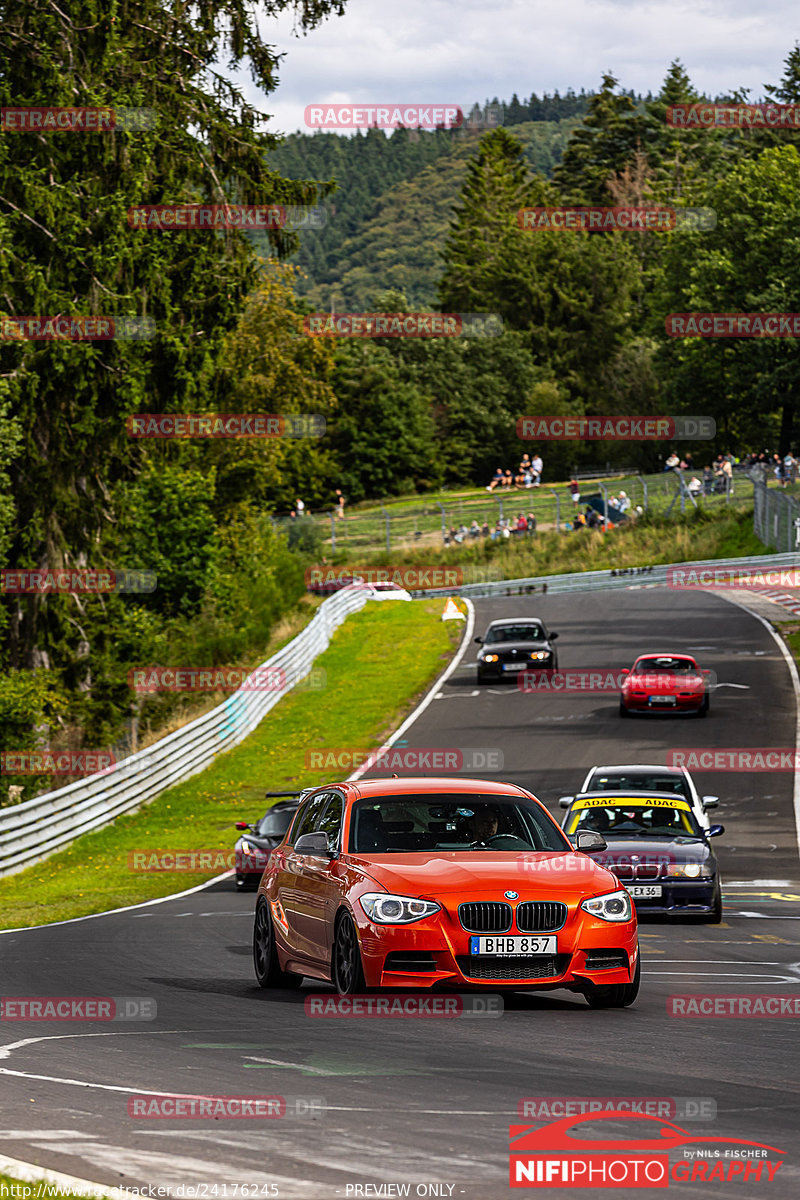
pixel 644 777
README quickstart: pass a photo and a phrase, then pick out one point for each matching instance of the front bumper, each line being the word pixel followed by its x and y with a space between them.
pixel 679 898
pixel 436 952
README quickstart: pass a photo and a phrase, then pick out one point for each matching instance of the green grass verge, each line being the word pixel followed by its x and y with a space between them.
pixel 16 1189
pixel 379 662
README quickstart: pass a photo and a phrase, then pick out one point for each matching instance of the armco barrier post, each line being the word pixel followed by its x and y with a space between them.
pixel 558 511
pixel 333 530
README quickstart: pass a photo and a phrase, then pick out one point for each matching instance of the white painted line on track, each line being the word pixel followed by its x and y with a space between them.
pixel 790 663
pixel 201 887
pixel 429 698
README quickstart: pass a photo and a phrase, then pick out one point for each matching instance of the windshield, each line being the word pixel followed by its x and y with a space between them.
pixel 275 824
pixel 664 666
pixel 611 781
pixel 474 823
pixel 633 817
pixel 515 633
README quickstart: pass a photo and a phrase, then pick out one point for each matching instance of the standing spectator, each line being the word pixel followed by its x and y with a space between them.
pixel 340 502
pixel 522 524
pixel 538 467
pixel 689 460
pixel 708 480
pixel 531 523
pixel 300 506
pixel 727 471
pixel 575 488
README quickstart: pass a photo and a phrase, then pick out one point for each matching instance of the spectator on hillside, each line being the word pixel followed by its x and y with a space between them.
pixel 300 506
pixel 474 530
pixel 613 502
pixel 695 486
pixel 579 521
pixel 508 480
pixel 523 471
pixel 689 462
pixel 708 480
pixel 485 530
pixel 672 461
pixel 521 525
pixel 531 523
pixel 624 502
pixel 496 479
pixel 575 488
pixel 340 502
pixel 538 467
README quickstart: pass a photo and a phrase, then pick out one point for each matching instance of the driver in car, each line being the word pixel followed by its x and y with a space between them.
pixel 483 825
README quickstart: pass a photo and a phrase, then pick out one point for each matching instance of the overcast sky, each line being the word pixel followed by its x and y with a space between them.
pixel 445 51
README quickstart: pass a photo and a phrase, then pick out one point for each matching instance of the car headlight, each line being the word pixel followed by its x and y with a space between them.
pixel 688 870
pixel 613 906
pixel 539 655
pixel 249 850
pixel 387 909
pixel 489 657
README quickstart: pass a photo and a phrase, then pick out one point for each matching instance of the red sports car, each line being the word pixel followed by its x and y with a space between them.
pixel 664 683
pixel 422 882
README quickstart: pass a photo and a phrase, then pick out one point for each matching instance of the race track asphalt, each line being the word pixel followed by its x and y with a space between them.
pixel 427 1103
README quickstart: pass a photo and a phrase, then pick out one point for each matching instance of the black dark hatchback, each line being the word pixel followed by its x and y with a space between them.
pixel 255 845
pixel 515 644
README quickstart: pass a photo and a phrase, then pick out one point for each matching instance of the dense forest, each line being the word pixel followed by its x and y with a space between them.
pixel 414 220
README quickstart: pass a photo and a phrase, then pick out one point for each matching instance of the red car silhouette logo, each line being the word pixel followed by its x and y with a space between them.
pixel 526 1139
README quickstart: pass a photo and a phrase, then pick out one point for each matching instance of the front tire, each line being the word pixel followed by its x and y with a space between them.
pixel 265 956
pixel 703 709
pixel 623 712
pixel 347 971
pixel 715 916
pixel 615 995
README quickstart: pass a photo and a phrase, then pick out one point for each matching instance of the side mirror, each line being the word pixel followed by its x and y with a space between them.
pixel 710 801
pixel 565 801
pixel 590 839
pixel 242 825
pixel 625 671
pixel 552 637
pixel 479 640
pixel 715 830
pixel 313 843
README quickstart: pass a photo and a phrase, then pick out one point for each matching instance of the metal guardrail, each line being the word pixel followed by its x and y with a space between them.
pixel 34 829
pixel 620 577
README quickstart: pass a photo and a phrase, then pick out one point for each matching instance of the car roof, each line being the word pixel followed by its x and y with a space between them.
pixel 516 621
pixel 665 654
pixel 427 785
pixel 644 768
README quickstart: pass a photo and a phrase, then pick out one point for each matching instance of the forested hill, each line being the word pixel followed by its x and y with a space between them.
pixel 389 217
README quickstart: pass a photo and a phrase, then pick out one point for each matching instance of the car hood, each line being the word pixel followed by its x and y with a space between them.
pixel 652 850
pixel 475 875
pixel 520 647
pixel 652 682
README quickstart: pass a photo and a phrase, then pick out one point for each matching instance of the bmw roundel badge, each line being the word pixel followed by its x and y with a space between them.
pixel 511 895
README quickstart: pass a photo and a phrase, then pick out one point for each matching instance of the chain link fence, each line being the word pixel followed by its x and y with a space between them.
pixel 466 518
pixel 776 516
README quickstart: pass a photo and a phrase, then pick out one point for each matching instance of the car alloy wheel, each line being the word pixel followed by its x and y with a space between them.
pixel 348 972
pixel 715 916
pixel 265 958
pixel 614 995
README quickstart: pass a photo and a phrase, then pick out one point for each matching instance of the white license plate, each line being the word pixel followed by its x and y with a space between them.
pixel 514 666
pixel 662 699
pixel 503 947
pixel 643 891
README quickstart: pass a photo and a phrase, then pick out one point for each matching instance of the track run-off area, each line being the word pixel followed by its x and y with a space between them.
pixel 423 1107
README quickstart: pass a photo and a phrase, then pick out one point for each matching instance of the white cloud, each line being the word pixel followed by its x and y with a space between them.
pixel 445 51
